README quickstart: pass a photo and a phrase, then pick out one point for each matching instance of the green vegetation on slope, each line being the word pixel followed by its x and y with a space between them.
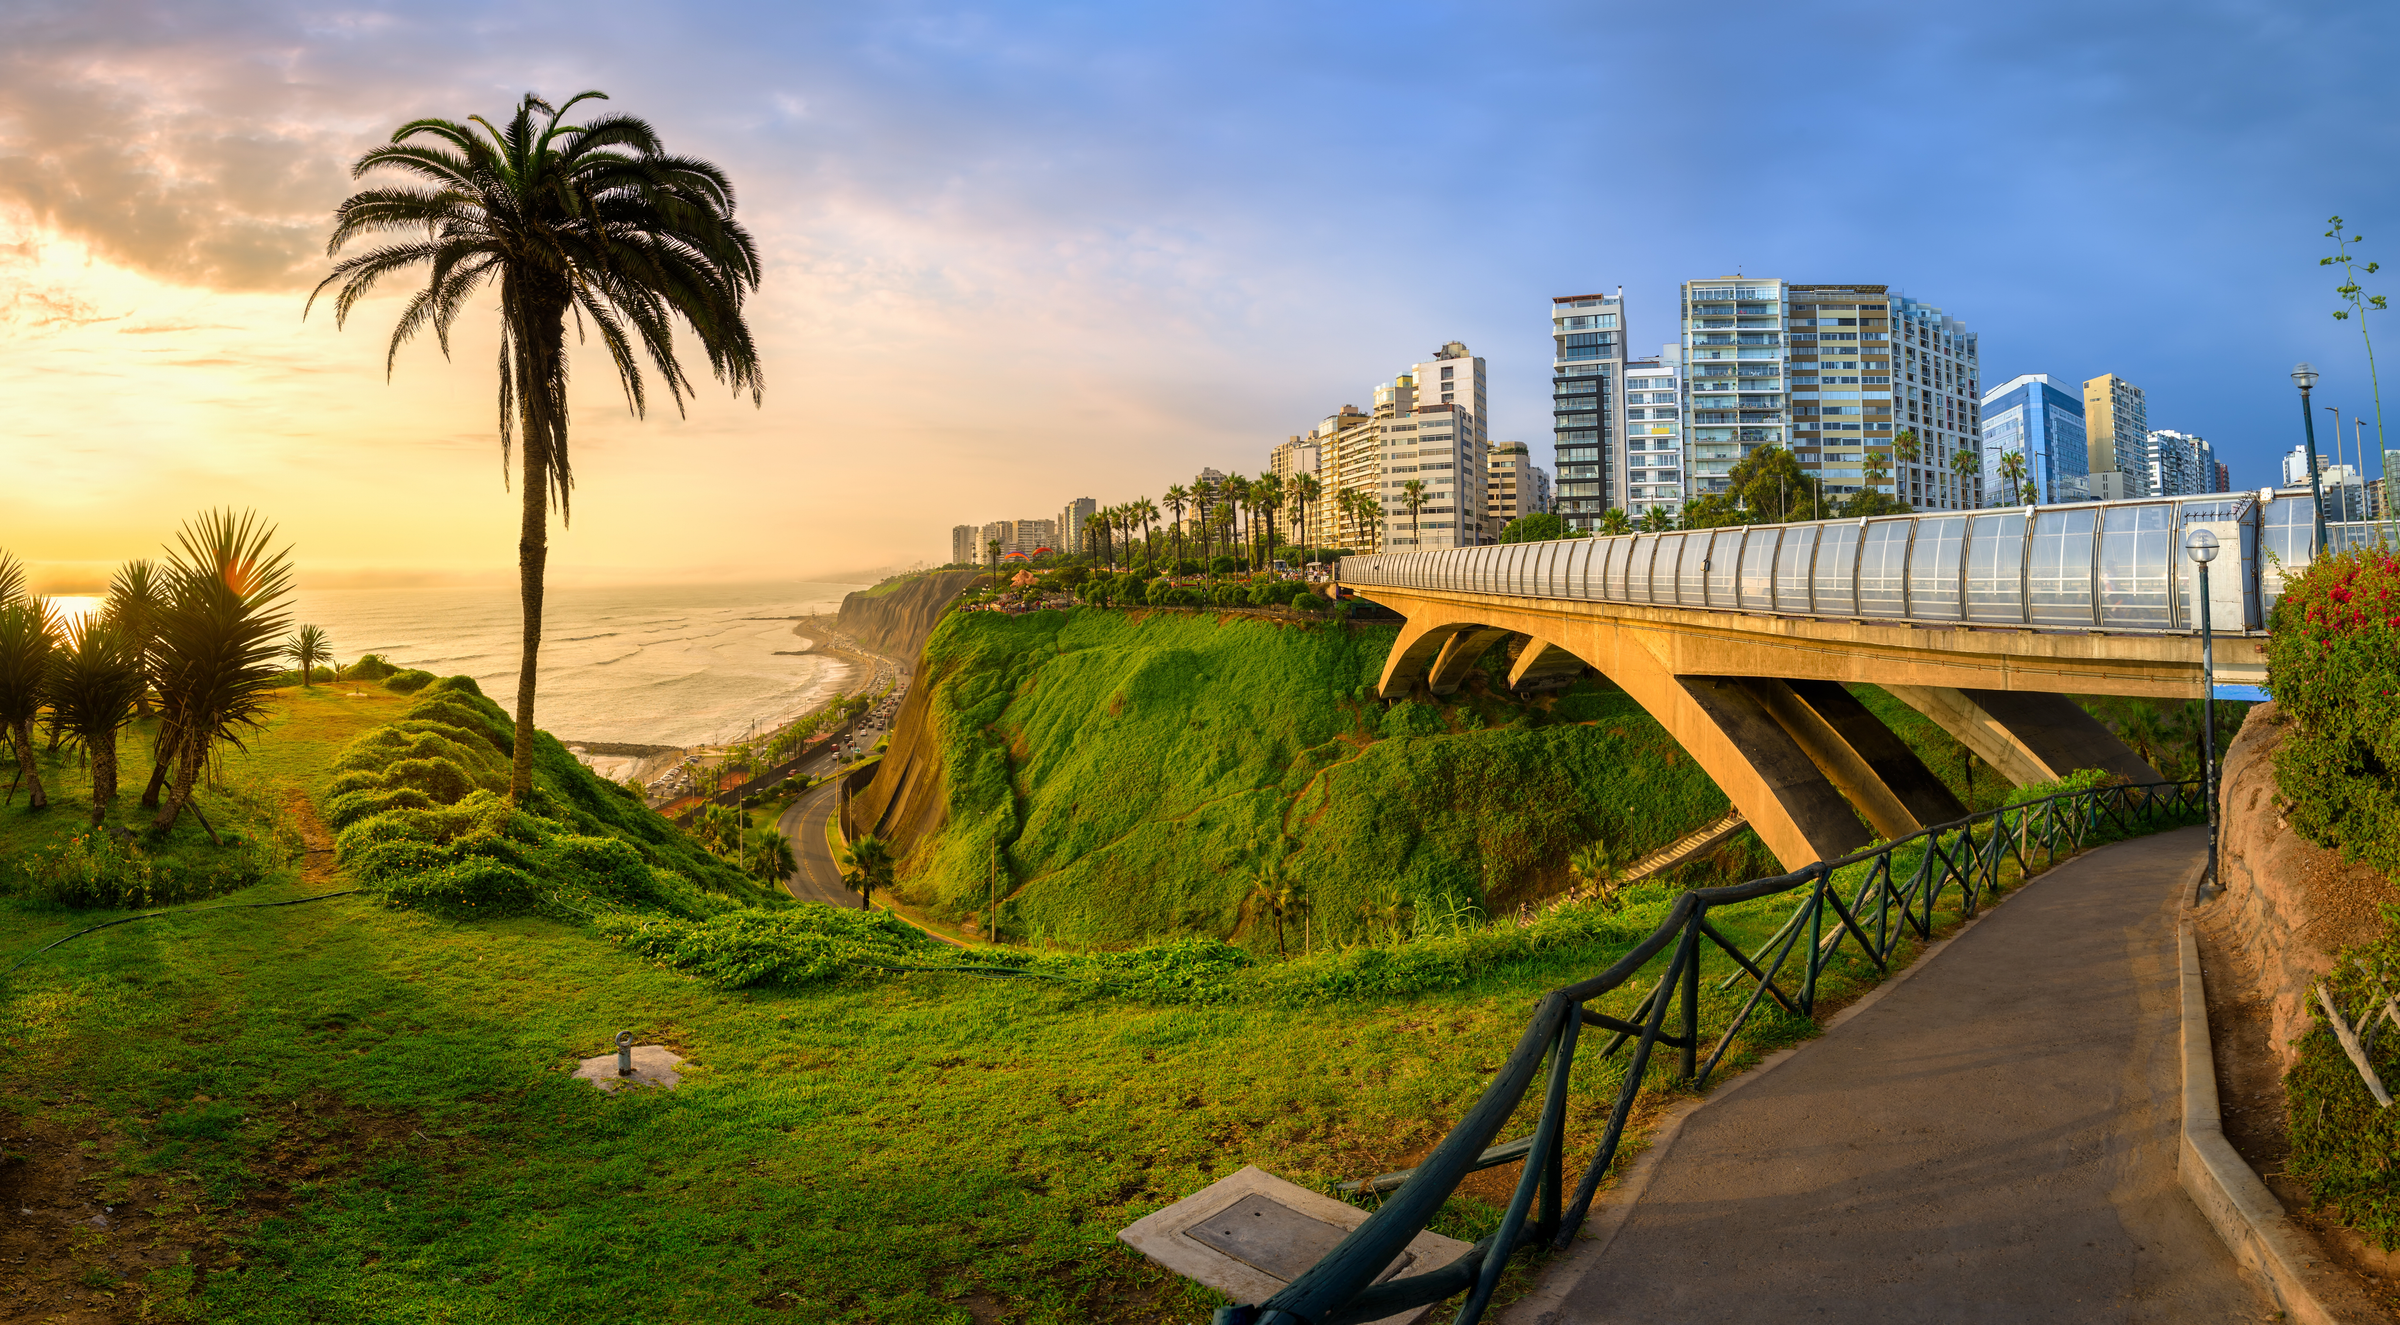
pixel 421 813
pixel 1126 776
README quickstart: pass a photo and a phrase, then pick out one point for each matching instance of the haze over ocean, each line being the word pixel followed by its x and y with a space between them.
pixel 647 664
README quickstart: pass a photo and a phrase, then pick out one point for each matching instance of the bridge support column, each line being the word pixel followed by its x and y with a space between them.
pixel 1795 809
pixel 1834 756
pixel 1540 660
pixel 2028 736
pixel 1458 654
pixel 1413 655
pixel 1926 798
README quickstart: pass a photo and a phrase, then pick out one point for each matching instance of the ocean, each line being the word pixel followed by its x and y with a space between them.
pixel 653 665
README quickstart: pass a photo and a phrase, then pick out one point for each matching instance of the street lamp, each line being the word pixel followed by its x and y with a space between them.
pixel 2305 377
pixel 2202 546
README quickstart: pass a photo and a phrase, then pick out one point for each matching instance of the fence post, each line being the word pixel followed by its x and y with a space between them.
pixel 1816 927
pixel 1691 994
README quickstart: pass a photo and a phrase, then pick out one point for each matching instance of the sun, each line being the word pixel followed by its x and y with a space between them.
pixel 74 607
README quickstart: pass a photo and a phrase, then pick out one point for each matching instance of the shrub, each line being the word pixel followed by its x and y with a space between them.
pixel 2333 664
pixel 369 667
pixel 408 682
pixel 2342 1141
pixel 99 869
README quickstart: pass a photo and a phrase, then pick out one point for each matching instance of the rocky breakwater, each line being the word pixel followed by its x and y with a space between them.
pixel 2288 905
pixel 894 619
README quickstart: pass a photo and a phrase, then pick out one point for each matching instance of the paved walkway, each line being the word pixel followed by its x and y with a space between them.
pixel 1994 1141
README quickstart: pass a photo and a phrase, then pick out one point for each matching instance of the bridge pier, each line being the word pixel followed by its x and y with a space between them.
pixel 2028 736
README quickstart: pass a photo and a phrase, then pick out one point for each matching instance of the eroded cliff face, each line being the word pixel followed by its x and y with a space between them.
pixel 895 624
pixel 2289 905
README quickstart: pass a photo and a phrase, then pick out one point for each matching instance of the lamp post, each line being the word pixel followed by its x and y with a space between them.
pixel 2202 546
pixel 2305 377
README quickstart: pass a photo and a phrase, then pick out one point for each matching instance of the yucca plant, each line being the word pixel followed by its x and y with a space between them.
pixel 12 578
pixel 593 219
pixel 216 654
pixel 308 646
pixel 94 681
pixel 134 600
pixel 28 638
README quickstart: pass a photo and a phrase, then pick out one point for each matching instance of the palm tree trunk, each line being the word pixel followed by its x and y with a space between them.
pixel 21 735
pixel 533 556
pixel 104 775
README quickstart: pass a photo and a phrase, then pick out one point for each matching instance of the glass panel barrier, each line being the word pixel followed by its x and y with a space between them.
pixel 1724 566
pixel 1637 567
pixel 1883 567
pixel 1837 563
pixel 2287 541
pixel 1933 567
pixel 2061 573
pixel 1996 567
pixel 1691 582
pixel 2135 544
pixel 1756 593
pixel 1792 565
pixel 1612 571
pixel 1665 564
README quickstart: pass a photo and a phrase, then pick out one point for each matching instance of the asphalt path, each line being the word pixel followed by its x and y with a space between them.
pixel 1994 1141
pixel 818 878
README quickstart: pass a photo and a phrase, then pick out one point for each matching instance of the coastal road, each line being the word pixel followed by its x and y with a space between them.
pixel 818 879
pixel 1994 1141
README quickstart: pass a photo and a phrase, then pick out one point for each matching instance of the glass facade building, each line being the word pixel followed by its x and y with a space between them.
pixel 2031 416
pixel 1588 364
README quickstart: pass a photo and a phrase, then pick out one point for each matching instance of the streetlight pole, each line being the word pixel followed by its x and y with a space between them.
pixel 2305 377
pixel 2201 544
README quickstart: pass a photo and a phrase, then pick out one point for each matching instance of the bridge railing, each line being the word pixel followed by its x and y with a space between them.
pixel 1874 899
pixel 2113 566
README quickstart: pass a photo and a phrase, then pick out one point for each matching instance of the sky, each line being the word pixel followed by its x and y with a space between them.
pixel 1016 255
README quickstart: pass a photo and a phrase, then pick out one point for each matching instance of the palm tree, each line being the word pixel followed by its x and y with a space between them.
pixel 1879 470
pixel 594 218
pixel 2012 468
pixel 1236 491
pixel 1149 511
pixel 1095 534
pixel 135 599
pixel 992 546
pixel 307 647
pixel 12 578
pixel 1966 463
pixel 1268 494
pixel 94 682
pixel 1305 491
pixel 1615 521
pixel 28 638
pixel 1656 521
pixel 1412 496
pixel 866 866
pixel 1178 500
pixel 216 652
pixel 771 856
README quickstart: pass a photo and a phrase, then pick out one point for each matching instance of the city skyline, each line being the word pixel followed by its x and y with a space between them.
pixel 1128 195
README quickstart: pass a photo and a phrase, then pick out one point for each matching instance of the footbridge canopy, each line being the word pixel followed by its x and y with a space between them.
pixel 1740 639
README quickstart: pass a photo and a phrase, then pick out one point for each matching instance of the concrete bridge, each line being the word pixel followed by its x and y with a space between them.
pixel 1740 640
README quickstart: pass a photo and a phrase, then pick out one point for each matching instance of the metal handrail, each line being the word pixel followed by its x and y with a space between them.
pixel 1340 1289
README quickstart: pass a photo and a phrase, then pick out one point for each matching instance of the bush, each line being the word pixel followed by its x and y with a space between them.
pixel 2333 664
pixel 369 667
pixel 2342 1141
pixel 99 869
pixel 408 682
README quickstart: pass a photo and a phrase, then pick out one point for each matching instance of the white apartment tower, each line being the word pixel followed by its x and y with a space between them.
pixel 1443 442
pixel 964 546
pixel 1653 432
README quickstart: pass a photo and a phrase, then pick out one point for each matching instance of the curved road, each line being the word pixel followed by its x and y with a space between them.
pixel 818 879
pixel 1996 1141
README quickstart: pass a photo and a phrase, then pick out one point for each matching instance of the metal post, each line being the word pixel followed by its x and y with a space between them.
pixel 1691 996
pixel 2306 377
pixel 2202 547
pixel 624 1053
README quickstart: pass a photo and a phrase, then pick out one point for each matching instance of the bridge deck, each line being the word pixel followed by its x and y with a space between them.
pixel 1994 1141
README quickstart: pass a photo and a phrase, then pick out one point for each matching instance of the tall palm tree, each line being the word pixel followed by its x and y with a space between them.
pixel 94 682
pixel 1306 489
pixel 28 639
pixel 1615 521
pixel 12 578
pixel 1412 496
pixel 1267 495
pixel 308 646
pixel 1204 503
pixel 866 866
pixel 135 598
pixel 1149 510
pixel 2012 468
pixel 216 654
pixel 1235 491
pixel 595 218
pixel 993 547
pixel 1178 500
pixel 1966 463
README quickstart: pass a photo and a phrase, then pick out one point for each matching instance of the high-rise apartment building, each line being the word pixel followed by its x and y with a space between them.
pixel 1070 525
pixel 1442 442
pixel 1733 359
pixel 1652 453
pixel 1289 462
pixel 1587 367
pixel 965 546
pixel 2176 463
pixel 1515 486
pixel 2116 426
pixel 2029 415
pixel 1034 536
pixel 1937 364
pixel 1003 532
pixel 2225 479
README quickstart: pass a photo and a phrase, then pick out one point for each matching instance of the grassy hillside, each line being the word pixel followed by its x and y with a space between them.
pixel 1128 775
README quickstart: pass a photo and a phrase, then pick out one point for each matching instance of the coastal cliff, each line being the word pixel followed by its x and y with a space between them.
pixel 894 619
pixel 2289 905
